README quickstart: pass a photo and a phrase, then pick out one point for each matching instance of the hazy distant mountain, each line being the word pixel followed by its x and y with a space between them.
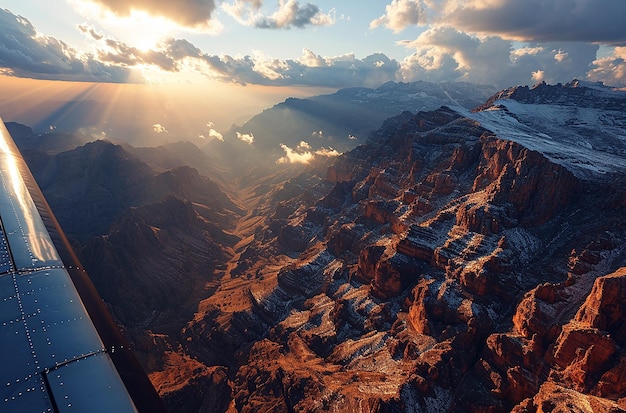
pixel 341 120
pixel 50 142
pixel 19 131
pixel 89 186
pixel 183 153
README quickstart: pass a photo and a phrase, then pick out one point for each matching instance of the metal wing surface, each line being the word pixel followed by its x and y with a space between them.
pixel 60 350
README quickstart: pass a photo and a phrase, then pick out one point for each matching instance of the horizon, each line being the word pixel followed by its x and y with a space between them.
pixel 146 69
pixel 307 205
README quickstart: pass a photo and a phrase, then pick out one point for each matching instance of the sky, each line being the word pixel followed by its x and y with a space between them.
pixel 210 63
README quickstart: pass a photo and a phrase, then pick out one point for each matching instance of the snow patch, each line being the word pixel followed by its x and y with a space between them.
pixel 588 141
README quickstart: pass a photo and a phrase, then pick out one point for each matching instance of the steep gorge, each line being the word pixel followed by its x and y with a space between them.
pixel 450 264
pixel 439 268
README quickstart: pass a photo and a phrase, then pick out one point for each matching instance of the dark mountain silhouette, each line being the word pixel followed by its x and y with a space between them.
pixel 91 185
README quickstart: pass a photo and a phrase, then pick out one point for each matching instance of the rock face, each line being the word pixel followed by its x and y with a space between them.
pixel 605 307
pixel 154 244
pixel 455 263
pixel 153 259
pixel 460 261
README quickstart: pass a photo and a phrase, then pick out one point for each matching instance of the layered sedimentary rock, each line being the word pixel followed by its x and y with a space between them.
pixel 460 261
pixel 456 263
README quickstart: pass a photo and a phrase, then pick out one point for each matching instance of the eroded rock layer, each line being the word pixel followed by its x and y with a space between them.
pixel 442 267
pixel 458 262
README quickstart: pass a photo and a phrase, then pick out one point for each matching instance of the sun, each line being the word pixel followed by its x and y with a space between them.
pixel 137 29
pixel 143 31
pixel 140 29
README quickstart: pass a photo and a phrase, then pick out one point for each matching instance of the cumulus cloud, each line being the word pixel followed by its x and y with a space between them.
pixel 479 40
pixel 25 52
pixel 295 155
pixel 327 152
pixel 158 128
pixel 310 70
pixel 245 12
pixel 400 14
pixel 303 153
pixel 169 55
pixel 538 76
pixel 188 13
pixel 216 135
pixel 444 53
pixel 246 137
pixel 290 14
pixel 441 53
pixel 453 47
pixel 610 69
pixel 211 132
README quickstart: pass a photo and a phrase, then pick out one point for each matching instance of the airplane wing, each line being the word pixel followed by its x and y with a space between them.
pixel 60 350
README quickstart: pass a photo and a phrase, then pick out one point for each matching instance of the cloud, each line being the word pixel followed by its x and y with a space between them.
pixel 441 53
pixel 310 70
pixel 327 152
pixel 187 13
pixel 541 20
pixel 599 21
pixel 244 11
pixel 538 76
pixel 212 133
pixel 26 53
pixel 215 134
pixel 158 128
pixel 91 31
pixel 290 14
pixel 400 14
pixel 610 69
pixel 246 137
pixel 444 53
pixel 169 55
pixel 119 53
pixel 478 50
pixel 303 153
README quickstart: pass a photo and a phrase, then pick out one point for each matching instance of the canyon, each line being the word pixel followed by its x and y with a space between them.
pixel 458 261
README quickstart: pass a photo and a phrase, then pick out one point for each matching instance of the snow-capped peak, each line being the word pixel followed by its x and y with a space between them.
pixel 579 125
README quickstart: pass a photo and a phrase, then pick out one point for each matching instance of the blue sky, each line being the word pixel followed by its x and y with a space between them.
pixel 187 64
pixel 317 43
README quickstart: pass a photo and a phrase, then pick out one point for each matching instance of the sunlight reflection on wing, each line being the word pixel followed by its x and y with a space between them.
pixel 26 231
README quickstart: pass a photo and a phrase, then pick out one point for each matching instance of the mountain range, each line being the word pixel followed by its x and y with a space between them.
pixel 468 257
pixel 340 121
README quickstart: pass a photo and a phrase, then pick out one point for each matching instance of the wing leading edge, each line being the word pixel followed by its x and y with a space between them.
pixel 60 350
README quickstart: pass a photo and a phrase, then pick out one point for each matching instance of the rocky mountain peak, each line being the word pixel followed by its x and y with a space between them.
pixel 577 126
pixel 575 93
